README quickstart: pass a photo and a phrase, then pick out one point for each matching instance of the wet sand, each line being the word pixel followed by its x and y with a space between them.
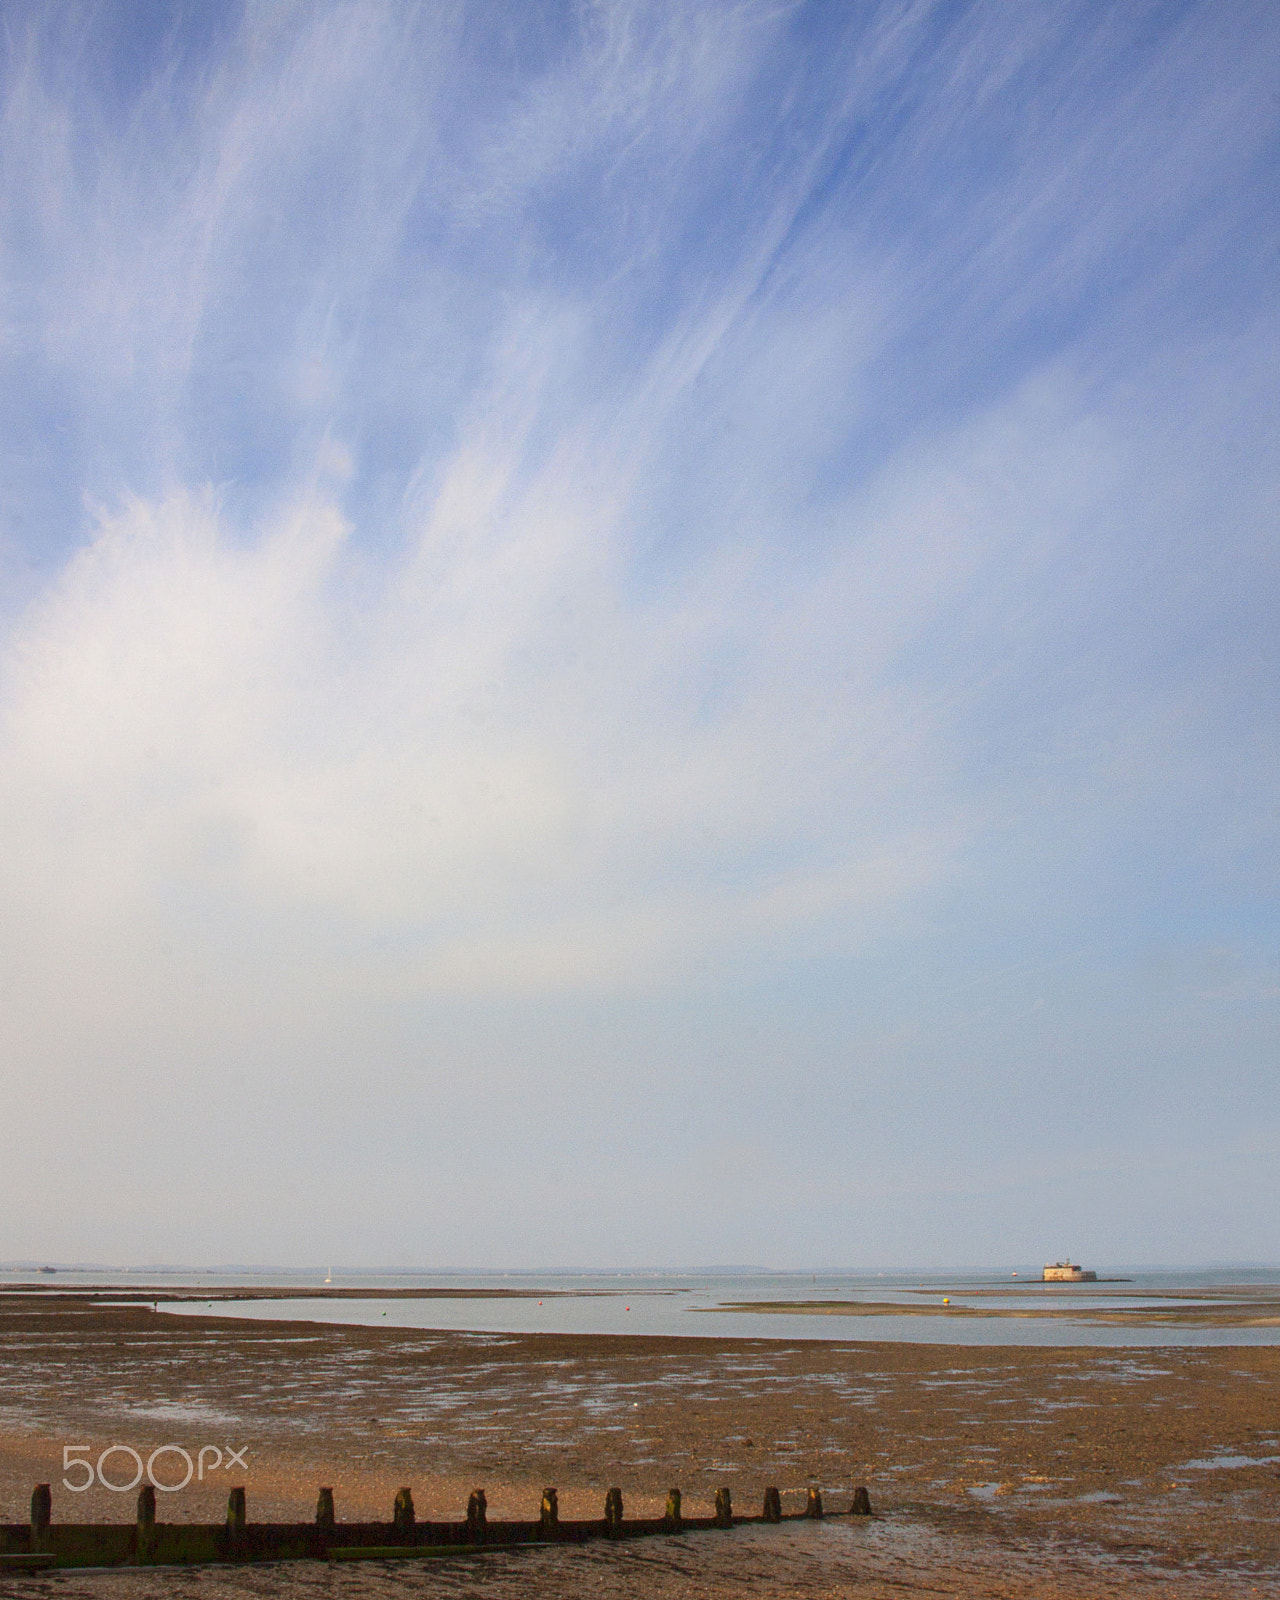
pixel 1240 1308
pixel 995 1471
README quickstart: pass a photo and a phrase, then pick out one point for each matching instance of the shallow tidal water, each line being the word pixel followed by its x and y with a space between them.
pixel 1144 1310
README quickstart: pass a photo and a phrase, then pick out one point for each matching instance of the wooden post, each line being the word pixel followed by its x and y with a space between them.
pixel 477 1511
pixel 549 1524
pixel 613 1512
pixel 235 1513
pixel 814 1507
pixel 41 1516
pixel 673 1520
pixel 325 1515
pixel 146 1522
pixel 772 1505
pixel 402 1514
pixel 724 1509
pixel 861 1506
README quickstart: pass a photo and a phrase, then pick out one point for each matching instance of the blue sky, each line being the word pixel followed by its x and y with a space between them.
pixel 640 634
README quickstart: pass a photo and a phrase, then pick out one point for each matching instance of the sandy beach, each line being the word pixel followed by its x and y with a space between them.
pixel 1009 1471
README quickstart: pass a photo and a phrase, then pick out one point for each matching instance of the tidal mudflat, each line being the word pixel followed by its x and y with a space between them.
pixel 1009 1471
pixel 1242 1308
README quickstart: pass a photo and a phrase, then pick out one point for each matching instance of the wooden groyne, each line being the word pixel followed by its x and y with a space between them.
pixel 43 1543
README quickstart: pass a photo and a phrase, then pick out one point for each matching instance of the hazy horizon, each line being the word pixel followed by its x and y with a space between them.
pixel 1003 1269
pixel 640 631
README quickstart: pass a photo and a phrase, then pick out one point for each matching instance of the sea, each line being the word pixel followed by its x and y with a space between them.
pixel 961 1309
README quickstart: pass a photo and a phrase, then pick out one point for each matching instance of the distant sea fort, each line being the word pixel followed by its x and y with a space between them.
pixel 1067 1272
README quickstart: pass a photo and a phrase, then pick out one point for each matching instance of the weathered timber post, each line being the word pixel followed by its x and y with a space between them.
pixel 814 1507
pixel 772 1505
pixel 146 1523
pixel 613 1512
pixel 235 1513
pixel 549 1523
pixel 41 1516
pixel 235 1522
pixel 326 1517
pixel 477 1512
pixel 861 1506
pixel 724 1509
pixel 402 1513
pixel 673 1521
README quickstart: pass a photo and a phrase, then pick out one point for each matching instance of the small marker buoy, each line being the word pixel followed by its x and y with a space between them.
pixel 946 1300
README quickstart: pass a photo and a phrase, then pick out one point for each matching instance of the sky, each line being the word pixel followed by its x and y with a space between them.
pixel 639 634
